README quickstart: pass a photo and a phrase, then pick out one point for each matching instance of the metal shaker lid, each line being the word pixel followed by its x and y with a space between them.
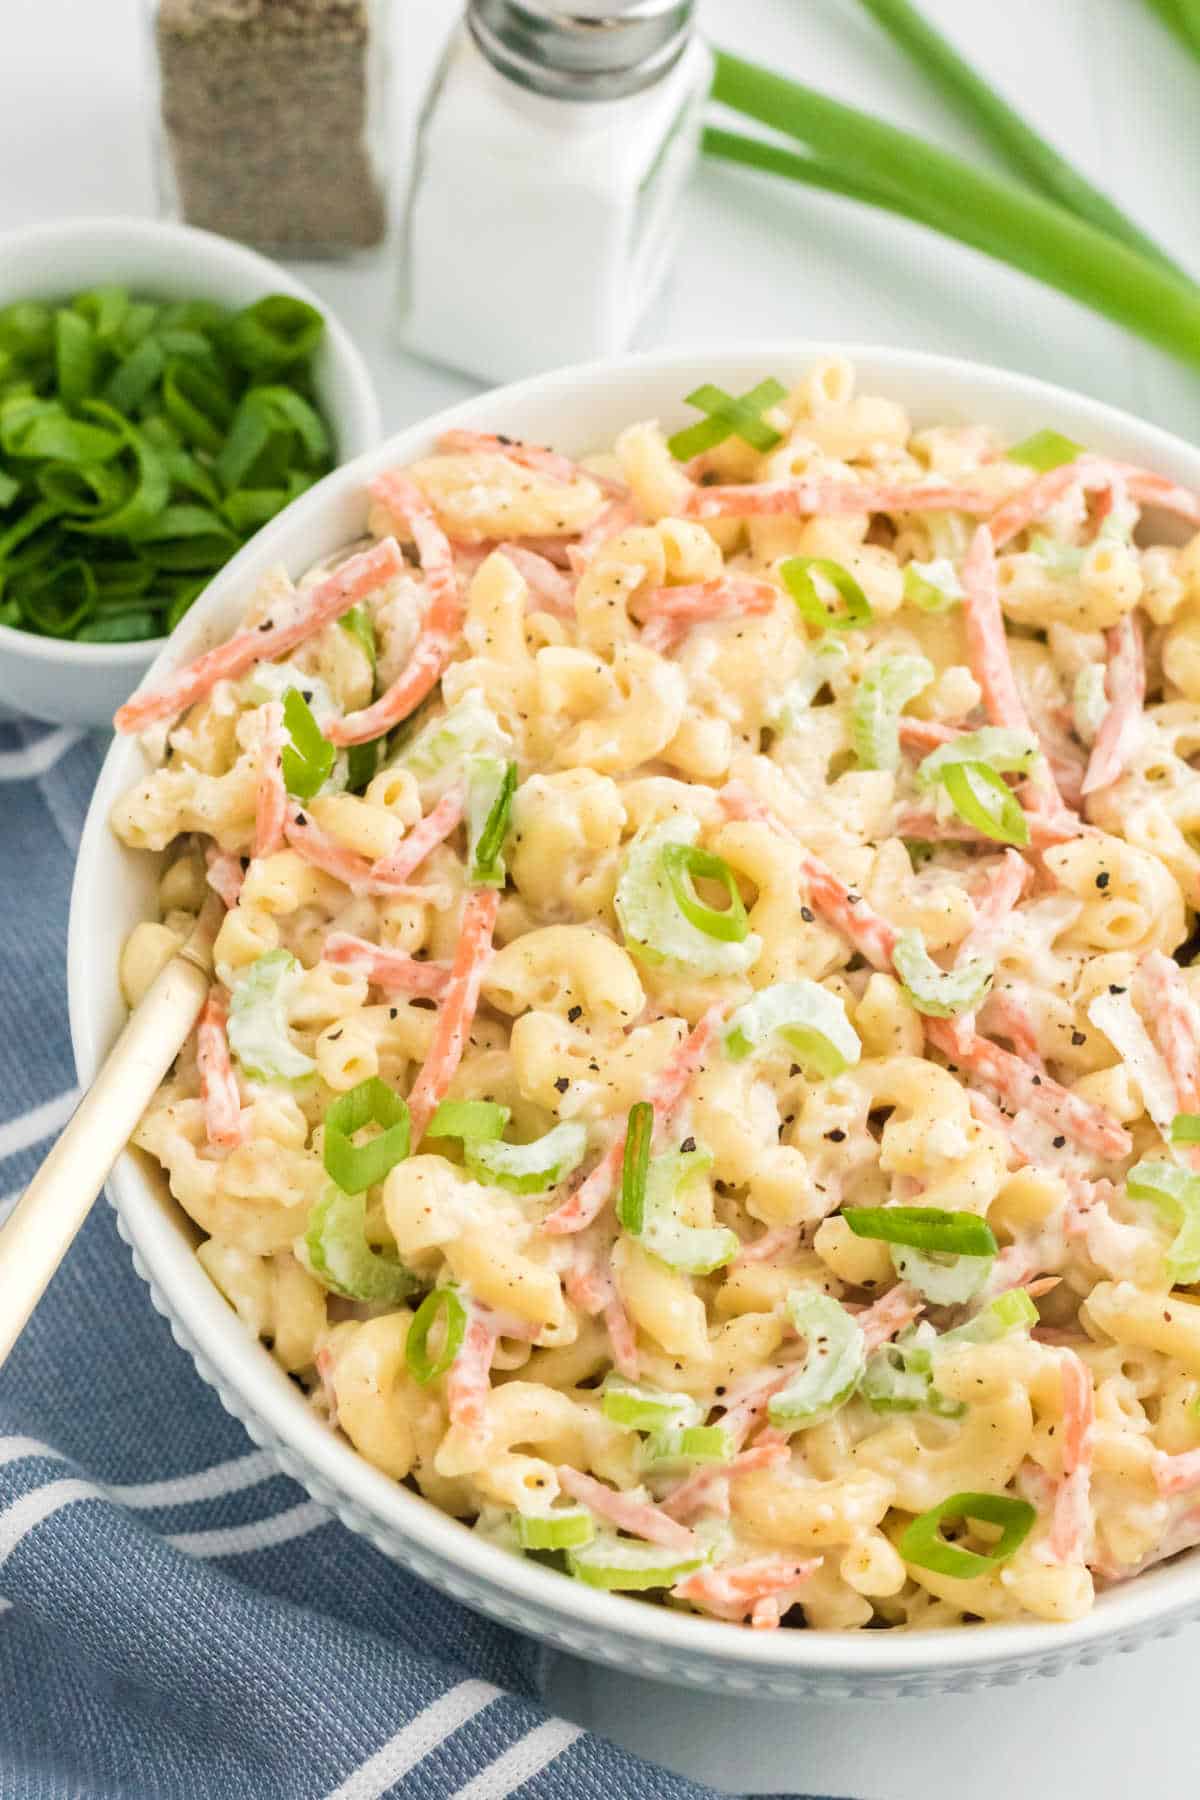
pixel 582 49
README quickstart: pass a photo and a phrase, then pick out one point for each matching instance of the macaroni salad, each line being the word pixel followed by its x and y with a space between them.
pixel 703 1076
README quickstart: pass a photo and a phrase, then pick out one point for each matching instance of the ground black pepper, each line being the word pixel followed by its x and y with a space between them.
pixel 267 114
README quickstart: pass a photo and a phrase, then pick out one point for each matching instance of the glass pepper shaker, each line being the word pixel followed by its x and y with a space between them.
pixel 544 197
pixel 271 120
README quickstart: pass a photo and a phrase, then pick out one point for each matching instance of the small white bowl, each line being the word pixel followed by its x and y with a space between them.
pixel 83 684
pixel 576 410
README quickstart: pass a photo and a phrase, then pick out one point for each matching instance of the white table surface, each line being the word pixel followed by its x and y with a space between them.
pixel 760 259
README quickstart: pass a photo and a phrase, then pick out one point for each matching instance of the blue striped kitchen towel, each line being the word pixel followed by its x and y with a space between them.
pixel 176 1617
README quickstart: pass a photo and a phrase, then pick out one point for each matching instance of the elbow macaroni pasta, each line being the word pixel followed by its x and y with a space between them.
pixel 641 658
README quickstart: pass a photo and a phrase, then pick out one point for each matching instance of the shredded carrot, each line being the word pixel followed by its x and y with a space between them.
pixel 1005 883
pixel 1173 1016
pixel 890 1314
pixel 535 457
pixel 581 1207
pixel 1007 1014
pixel 641 1517
pixel 218 1084
pixel 618 516
pixel 733 1593
pixel 799 498
pixel 1045 830
pixel 1034 500
pixel 622 1338
pixel 707 1488
pixel 771 1243
pixel 358 577
pixel 443 619
pixel 987 644
pixel 1177 1474
pixel 546 583
pixel 471 959
pixel 355 872
pixel 272 803
pixel 467 1381
pixel 425 836
pixel 845 910
pixel 390 969
pixel 670 610
pixel 1086 1124
pixel 1071 1523
pixel 1119 728
pixel 224 875
pixel 927 734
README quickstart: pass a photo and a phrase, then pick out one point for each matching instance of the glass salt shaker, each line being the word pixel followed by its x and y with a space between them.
pixel 271 120
pixel 545 190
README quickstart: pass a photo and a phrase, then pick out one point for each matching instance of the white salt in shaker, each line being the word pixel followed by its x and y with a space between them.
pixel 546 182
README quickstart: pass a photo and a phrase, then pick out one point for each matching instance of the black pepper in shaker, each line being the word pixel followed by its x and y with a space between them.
pixel 271 120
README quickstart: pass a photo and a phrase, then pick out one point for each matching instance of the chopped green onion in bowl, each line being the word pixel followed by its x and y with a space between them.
pixel 141 444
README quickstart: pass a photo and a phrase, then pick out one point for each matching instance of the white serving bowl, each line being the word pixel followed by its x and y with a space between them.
pixel 575 410
pixel 83 684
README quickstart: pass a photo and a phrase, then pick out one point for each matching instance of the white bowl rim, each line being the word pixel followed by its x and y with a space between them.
pixel 67 652
pixel 1155 1602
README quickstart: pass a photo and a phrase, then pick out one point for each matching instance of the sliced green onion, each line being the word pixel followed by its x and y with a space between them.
pixel 308 759
pixel 885 690
pixel 75 355
pixel 356 1167
pixel 658 927
pixel 470 1120
pixel 923 1228
pixel 986 802
pixel 445 1305
pixel 567 1529
pixel 797 575
pixel 528 1168
pixel 274 334
pixel 834 1363
pixel 692 1249
pixel 1185 1128
pixel 809 1019
pixel 1045 449
pixel 635 1165
pixel 616 1562
pixel 1089 701
pixel 119 628
pixel 996 747
pixel 1176 1192
pixel 340 1257
pixel 687 1445
pixel 357 624
pixel 362 764
pixel 944 1281
pixel 729 417
pixel 924 1546
pixel 939 993
pixel 643 1408
pixel 684 865
pixel 826 656
pixel 491 785
pixel 258 1019
pixel 136 376
pixel 60 600
pixel 1006 1313
pixel 933 587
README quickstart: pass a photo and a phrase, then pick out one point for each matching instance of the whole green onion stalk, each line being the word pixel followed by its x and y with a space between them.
pixel 850 153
